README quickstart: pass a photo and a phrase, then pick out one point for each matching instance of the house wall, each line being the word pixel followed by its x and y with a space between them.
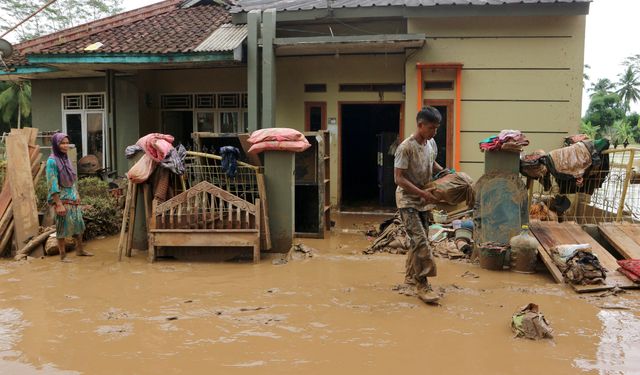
pixel 46 96
pixel 294 72
pixel 519 73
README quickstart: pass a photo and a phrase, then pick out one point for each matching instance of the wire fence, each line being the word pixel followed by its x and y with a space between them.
pixel 605 195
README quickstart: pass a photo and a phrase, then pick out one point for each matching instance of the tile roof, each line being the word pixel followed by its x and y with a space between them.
pixel 164 27
pixel 293 5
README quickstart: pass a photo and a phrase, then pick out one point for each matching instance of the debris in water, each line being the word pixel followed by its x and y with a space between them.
pixel 172 318
pixel 530 323
pixel 470 274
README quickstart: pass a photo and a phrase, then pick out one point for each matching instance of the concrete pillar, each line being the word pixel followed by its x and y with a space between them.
pixel 268 69
pixel 110 85
pixel 280 183
pixel 254 19
pixel 503 161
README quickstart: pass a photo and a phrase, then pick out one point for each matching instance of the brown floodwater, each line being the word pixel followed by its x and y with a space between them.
pixel 334 313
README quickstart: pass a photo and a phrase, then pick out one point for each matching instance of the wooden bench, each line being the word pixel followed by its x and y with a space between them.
pixel 205 216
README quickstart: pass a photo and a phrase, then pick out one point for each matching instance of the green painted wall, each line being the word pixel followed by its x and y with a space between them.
pixel 47 107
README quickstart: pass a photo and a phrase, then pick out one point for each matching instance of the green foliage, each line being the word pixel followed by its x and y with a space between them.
pixel 604 110
pixel 102 216
pixel 15 104
pixel 62 14
pixel 611 134
pixel 629 87
pixel 41 195
pixel 601 87
pixel 624 130
pixel 590 130
pixel 92 187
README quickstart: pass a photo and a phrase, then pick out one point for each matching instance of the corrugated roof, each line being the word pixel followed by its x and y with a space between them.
pixel 226 38
pixel 293 5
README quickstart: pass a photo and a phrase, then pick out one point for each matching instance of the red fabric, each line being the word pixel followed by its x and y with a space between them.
pixel 275 134
pixel 631 265
pixel 293 146
pixel 156 145
pixel 630 275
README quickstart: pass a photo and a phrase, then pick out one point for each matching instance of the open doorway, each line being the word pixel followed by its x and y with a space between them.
pixel 443 137
pixel 368 132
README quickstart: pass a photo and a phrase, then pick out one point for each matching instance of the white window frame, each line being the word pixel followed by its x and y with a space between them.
pixel 215 111
pixel 83 126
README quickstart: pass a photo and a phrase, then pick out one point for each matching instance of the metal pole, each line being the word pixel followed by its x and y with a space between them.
pixel 28 18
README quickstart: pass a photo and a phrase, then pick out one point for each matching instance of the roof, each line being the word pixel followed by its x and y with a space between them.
pixel 225 38
pixel 295 5
pixel 161 28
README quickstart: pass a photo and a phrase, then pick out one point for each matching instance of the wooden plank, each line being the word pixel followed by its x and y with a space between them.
pixel 204 231
pixel 622 239
pixel 23 197
pixel 125 221
pixel 544 239
pixel 191 238
pixel 551 234
pixel 132 219
pixel 251 158
pixel 264 216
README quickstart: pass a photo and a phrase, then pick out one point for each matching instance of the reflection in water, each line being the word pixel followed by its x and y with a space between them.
pixel 618 351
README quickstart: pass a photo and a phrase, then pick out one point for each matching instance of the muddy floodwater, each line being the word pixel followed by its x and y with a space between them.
pixel 335 313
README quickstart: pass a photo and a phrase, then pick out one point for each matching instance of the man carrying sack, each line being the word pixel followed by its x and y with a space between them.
pixel 415 163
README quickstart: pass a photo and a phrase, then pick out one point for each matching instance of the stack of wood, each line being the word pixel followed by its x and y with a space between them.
pixel 19 223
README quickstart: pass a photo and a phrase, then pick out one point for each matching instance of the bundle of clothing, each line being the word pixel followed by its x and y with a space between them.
pixel 530 323
pixel 278 139
pixel 578 264
pixel 390 237
pixel 506 140
pixel 580 166
pixel 631 269
pixel 158 150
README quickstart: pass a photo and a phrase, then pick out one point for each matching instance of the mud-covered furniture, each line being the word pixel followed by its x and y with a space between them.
pixel 205 216
pixel 313 201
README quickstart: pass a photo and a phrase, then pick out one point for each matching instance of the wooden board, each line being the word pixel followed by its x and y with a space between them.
pixel 624 237
pixel 551 234
pixel 264 215
pixel 23 197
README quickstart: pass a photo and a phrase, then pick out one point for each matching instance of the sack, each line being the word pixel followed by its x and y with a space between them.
pixel 293 146
pixel 453 188
pixel 275 134
pixel 530 323
pixel 142 169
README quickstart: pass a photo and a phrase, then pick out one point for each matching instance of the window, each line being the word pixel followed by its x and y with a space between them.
pixel 203 112
pixel 83 119
pixel 438 85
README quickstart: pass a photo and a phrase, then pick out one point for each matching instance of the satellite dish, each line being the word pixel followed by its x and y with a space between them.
pixel 6 50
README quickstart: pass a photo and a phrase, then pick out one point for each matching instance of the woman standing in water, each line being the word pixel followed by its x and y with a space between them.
pixel 63 195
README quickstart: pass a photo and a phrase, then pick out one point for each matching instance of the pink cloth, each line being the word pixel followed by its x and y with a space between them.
pixel 156 145
pixel 293 146
pixel 275 134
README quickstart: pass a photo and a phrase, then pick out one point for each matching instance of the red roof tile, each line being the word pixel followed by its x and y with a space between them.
pixel 159 28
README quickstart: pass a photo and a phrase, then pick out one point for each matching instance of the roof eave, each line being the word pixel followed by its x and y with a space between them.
pixel 538 9
pixel 131 58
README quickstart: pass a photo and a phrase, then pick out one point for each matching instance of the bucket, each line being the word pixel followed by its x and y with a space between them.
pixel 491 259
pixel 524 261
pixel 439 217
pixel 464 233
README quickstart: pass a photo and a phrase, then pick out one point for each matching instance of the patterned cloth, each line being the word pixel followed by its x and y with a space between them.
pixel 72 223
pixel 420 263
pixel 417 161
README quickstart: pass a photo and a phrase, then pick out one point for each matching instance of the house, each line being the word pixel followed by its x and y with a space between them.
pixel 358 69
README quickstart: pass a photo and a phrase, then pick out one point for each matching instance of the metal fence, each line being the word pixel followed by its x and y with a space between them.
pixel 611 194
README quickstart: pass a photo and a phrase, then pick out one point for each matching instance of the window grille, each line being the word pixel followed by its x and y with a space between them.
pixel 205 101
pixel 229 100
pixel 176 101
pixel 94 101
pixel 72 101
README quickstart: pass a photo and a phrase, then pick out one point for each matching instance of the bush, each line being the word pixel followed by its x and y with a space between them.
pixel 102 216
pixel 92 187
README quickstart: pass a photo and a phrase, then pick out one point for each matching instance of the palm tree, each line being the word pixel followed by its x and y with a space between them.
pixel 629 87
pixel 624 131
pixel 16 98
pixel 590 130
pixel 611 134
pixel 602 86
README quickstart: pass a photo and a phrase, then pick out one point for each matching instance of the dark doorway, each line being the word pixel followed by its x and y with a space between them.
pixel 179 124
pixel 441 136
pixel 366 171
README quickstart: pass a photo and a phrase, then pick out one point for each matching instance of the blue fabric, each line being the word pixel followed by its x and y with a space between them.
pixel 230 156
pixel 72 223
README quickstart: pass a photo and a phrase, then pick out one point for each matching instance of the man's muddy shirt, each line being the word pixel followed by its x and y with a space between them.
pixel 417 161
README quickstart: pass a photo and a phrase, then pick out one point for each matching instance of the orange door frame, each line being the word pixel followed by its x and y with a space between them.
pixel 420 67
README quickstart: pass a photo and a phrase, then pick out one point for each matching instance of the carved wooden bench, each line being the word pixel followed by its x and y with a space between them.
pixel 205 216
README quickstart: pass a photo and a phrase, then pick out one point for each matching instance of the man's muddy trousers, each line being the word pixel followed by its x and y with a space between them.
pixel 420 263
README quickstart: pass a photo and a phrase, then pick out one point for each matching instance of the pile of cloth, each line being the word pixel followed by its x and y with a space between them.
pixel 390 237
pixel 631 269
pixel 530 323
pixel 578 264
pixel 506 140
pixel 158 151
pixel 277 139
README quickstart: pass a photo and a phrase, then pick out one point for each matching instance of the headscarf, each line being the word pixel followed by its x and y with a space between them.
pixel 66 174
